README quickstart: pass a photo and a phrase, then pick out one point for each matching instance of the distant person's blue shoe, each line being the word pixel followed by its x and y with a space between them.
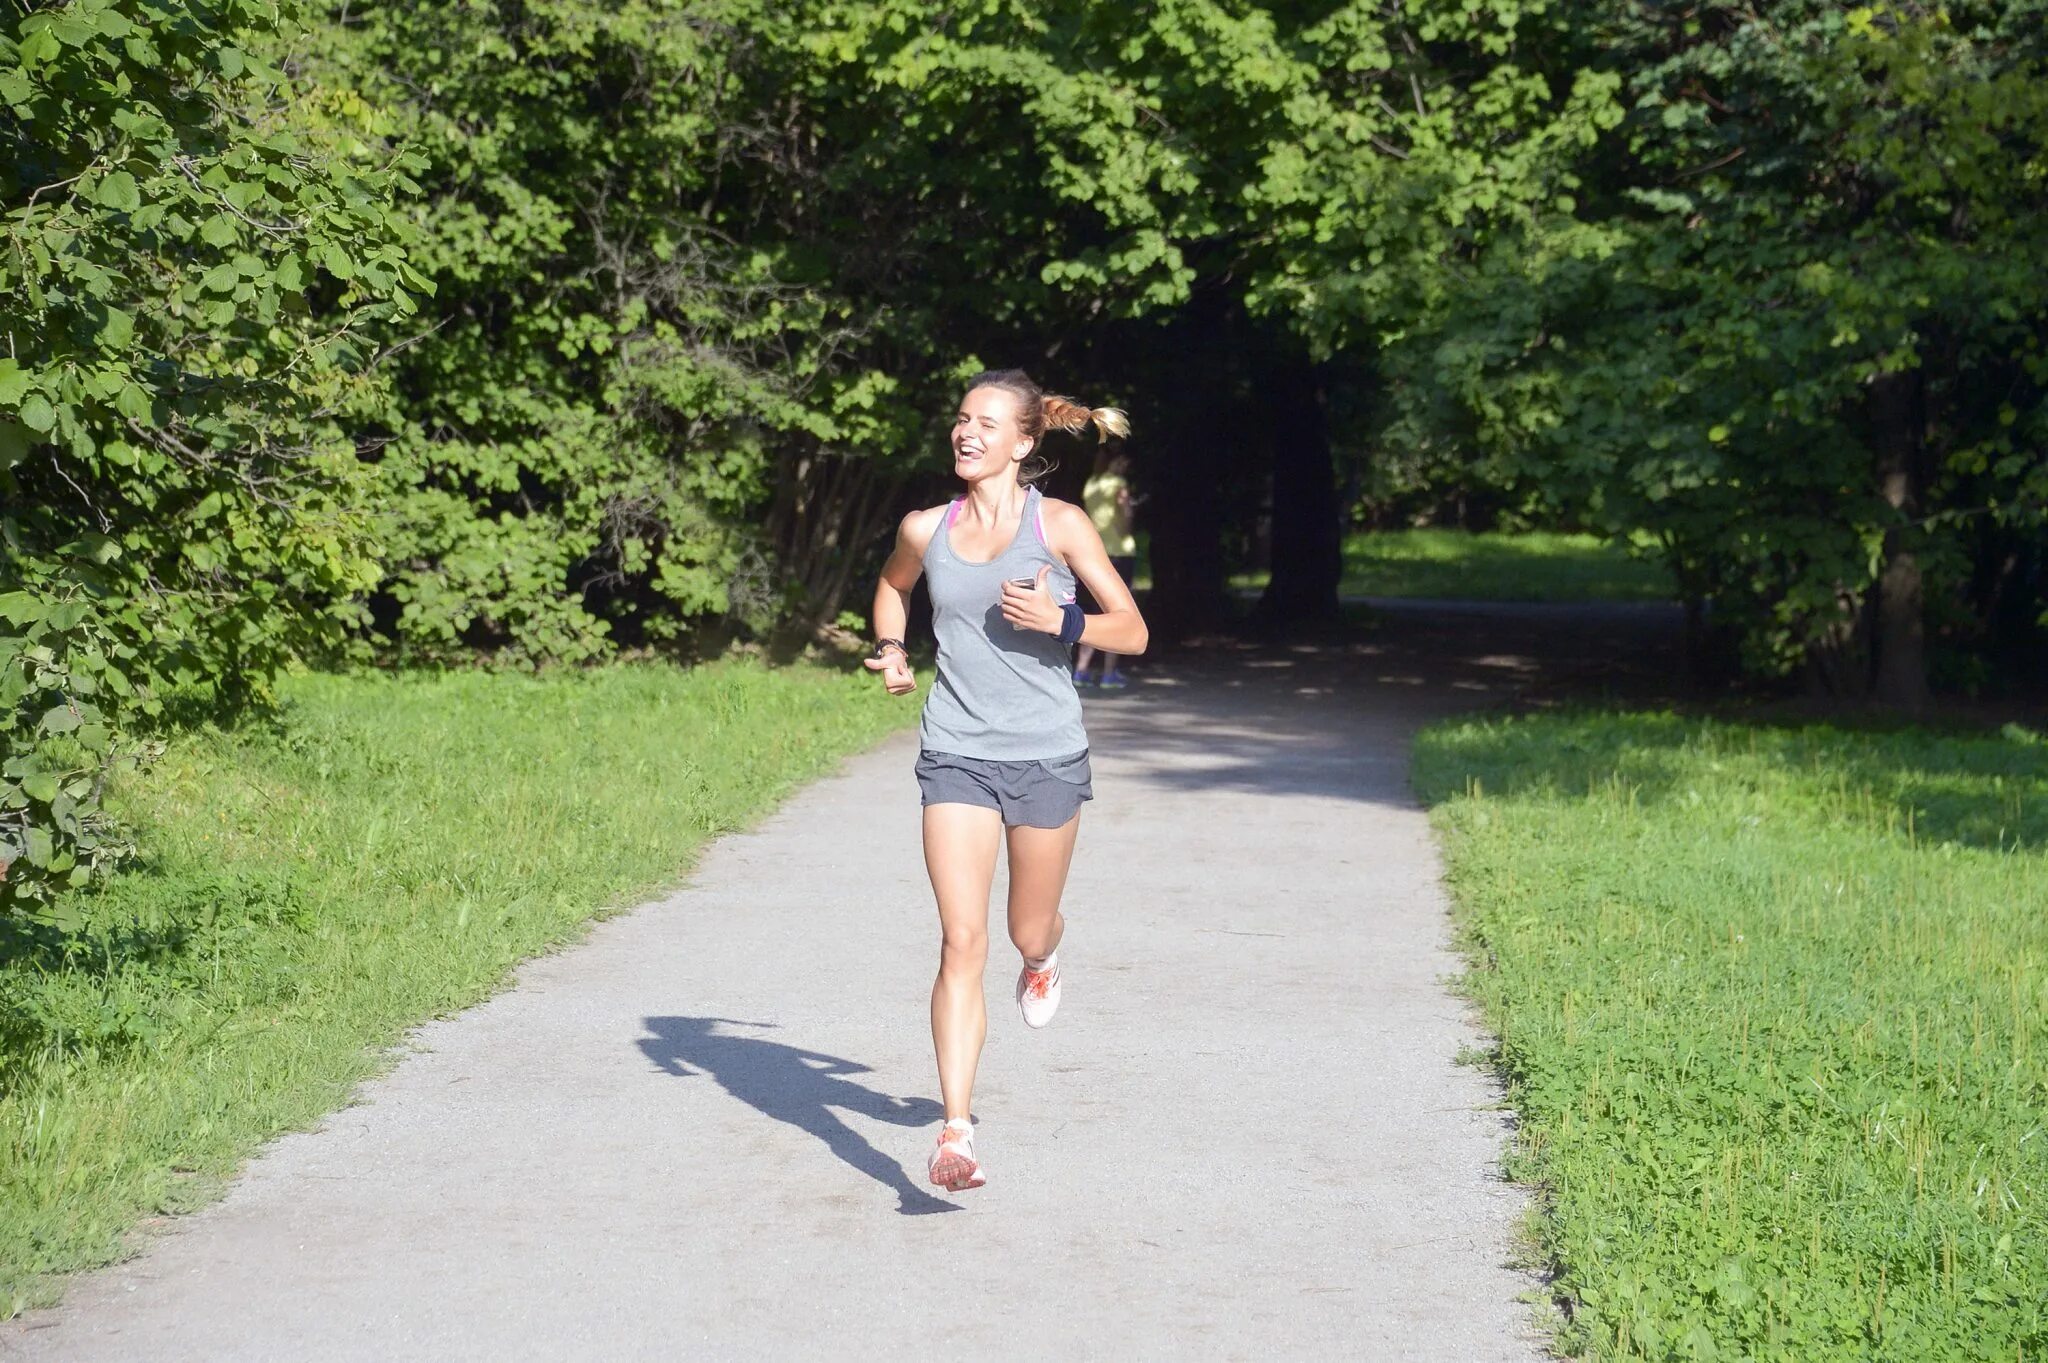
pixel 1114 681
pixel 1081 679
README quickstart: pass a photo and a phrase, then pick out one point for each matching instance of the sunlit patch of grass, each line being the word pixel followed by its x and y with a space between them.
pixel 1532 565
pixel 1773 1008
pixel 385 851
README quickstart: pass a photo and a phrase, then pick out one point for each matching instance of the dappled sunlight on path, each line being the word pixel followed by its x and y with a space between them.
pixel 1333 717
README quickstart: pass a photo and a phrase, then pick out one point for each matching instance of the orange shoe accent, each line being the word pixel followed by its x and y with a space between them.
pixel 1038 993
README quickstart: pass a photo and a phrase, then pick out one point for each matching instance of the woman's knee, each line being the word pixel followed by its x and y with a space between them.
pixel 1038 934
pixel 963 945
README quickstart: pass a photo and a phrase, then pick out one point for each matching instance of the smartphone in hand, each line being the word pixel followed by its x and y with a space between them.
pixel 1027 583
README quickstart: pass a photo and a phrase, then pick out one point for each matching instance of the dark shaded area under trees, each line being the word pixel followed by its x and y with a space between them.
pixel 530 331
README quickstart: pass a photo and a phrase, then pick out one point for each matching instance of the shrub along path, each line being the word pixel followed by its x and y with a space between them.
pixel 702 1133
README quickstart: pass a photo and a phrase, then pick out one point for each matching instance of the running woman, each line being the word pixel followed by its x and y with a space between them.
pixel 1004 755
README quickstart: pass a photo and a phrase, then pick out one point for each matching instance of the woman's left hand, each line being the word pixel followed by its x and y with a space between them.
pixel 1032 607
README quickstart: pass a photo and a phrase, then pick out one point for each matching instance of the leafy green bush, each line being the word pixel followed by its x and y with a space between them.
pixel 1773 1009
pixel 64 676
pixel 194 245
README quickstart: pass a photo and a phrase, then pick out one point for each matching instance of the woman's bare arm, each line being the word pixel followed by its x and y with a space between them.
pixel 892 597
pixel 1119 627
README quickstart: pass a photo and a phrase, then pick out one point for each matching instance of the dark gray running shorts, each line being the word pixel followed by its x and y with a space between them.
pixel 1039 794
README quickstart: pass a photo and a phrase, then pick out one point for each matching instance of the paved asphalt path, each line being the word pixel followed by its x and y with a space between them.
pixel 702 1132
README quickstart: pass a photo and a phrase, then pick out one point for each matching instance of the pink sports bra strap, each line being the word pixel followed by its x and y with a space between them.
pixel 1037 515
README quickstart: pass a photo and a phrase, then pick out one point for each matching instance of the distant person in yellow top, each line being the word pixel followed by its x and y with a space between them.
pixel 1107 499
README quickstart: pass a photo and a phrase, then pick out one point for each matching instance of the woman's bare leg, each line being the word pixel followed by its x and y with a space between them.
pixel 1039 858
pixel 960 844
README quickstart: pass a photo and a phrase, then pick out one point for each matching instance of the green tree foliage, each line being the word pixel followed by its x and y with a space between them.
pixel 639 365
pixel 194 247
pixel 1792 326
pixel 707 273
pixel 704 272
pixel 1217 210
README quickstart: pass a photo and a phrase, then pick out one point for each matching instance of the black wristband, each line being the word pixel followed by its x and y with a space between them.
pixel 884 645
pixel 1072 622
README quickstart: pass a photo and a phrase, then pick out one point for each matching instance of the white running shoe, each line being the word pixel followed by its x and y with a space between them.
pixel 953 1165
pixel 1038 992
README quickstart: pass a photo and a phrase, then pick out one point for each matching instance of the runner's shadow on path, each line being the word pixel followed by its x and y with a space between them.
pixel 798 1087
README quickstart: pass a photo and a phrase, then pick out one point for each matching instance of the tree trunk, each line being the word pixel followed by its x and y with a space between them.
pixel 1308 544
pixel 1838 648
pixel 1899 618
pixel 829 518
pixel 1692 655
pixel 1184 465
pixel 1184 516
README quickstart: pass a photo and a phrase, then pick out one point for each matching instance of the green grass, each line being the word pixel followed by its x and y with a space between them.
pixel 1530 566
pixel 386 852
pixel 1773 1009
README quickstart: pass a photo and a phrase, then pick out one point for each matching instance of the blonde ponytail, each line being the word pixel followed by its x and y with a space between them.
pixel 1065 414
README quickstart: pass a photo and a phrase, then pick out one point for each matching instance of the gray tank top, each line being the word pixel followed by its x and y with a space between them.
pixel 1002 694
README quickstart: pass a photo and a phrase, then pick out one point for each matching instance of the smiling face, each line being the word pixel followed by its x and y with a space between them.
pixel 987 440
